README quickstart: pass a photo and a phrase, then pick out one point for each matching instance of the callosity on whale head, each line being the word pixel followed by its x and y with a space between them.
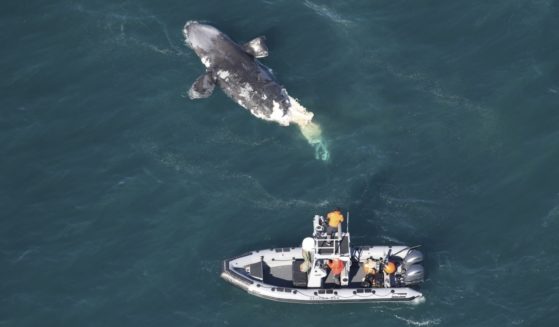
pixel 201 38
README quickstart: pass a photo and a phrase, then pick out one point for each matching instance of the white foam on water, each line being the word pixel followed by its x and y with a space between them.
pixel 411 322
pixel 327 12
pixel 418 300
pixel 552 215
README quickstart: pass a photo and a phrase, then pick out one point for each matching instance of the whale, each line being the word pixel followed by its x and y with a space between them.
pixel 236 70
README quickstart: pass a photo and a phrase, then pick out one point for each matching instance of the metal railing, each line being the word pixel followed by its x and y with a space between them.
pixel 335 242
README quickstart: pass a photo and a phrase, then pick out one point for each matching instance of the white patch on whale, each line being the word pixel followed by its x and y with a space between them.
pixel 223 74
pixel 299 114
pixel 206 61
pixel 278 115
pixel 245 92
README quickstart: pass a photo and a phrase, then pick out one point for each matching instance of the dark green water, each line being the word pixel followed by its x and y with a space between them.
pixel 120 197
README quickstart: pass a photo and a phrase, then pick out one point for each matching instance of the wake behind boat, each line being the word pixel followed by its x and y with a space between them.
pixel 328 269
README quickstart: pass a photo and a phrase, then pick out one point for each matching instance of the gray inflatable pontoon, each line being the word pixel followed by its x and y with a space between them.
pixel 300 274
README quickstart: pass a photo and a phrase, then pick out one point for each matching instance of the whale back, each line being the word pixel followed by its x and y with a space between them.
pixel 238 73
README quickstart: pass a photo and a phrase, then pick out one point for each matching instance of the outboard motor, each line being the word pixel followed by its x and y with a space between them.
pixel 413 270
pixel 414 274
pixel 413 257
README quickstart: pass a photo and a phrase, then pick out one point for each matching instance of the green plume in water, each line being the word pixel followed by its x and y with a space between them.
pixel 310 130
pixel 313 134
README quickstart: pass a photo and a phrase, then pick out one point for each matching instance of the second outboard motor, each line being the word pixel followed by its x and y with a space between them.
pixel 414 274
pixel 413 257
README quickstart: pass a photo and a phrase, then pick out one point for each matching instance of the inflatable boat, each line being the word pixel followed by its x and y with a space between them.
pixel 304 275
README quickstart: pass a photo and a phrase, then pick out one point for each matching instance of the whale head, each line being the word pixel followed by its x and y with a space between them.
pixel 200 37
pixel 203 39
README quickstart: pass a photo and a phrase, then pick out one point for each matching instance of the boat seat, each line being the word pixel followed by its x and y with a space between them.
pixel 256 270
pixel 299 277
pixel 344 246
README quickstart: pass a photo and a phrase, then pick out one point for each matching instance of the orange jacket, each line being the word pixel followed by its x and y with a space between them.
pixel 335 218
pixel 336 266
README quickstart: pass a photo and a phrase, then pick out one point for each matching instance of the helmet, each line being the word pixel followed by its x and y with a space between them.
pixel 390 267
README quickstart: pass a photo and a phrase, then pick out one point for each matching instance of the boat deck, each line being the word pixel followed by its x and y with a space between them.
pixel 282 276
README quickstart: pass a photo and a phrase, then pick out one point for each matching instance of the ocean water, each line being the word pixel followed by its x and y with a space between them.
pixel 120 197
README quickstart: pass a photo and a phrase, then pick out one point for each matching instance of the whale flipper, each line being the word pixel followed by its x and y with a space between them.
pixel 256 47
pixel 203 87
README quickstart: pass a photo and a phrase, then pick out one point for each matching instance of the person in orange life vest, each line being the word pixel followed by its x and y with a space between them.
pixel 334 218
pixel 336 266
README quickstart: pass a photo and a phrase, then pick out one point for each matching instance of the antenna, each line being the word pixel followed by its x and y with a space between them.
pixel 347 233
pixel 347 224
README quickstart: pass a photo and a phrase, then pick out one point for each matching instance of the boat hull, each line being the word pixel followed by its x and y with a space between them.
pixel 234 271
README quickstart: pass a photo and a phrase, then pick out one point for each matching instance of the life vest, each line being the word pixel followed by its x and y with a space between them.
pixel 337 266
pixel 335 218
pixel 389 267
